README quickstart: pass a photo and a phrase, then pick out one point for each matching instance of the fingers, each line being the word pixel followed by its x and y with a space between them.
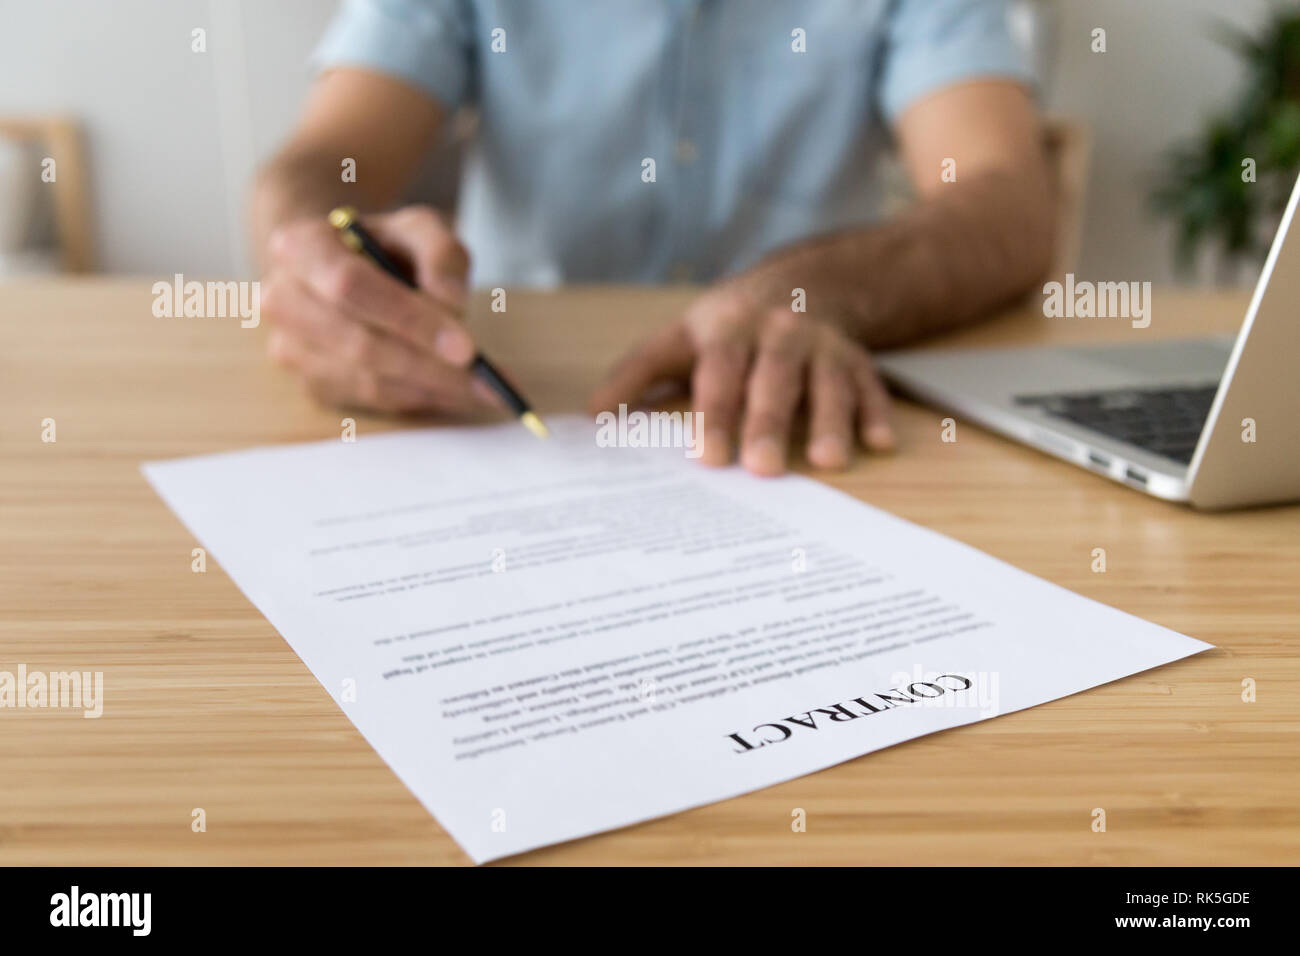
pixel 873 406
pixel 359 290
pixel 422 237
pixel 665 355
pixel 754 373
pixel 774 391
pixel 832 408
pixel 343 362
pixel 336 384
pixel 331 383
pixel 718 388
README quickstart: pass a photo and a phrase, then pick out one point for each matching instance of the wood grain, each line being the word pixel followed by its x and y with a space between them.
pixel 206 706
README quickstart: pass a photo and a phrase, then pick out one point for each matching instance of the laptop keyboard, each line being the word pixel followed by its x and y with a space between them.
pixel 1165 421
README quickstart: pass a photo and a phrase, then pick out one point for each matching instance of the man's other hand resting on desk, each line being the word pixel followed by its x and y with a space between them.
pixel 689 141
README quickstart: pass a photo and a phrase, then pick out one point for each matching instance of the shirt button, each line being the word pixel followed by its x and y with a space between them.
pixel 686 151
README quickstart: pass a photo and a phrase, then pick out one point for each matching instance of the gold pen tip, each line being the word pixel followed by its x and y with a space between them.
pixel 535 425
pixel 342 217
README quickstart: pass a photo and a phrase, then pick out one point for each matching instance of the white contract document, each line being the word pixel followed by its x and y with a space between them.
pixel 547 639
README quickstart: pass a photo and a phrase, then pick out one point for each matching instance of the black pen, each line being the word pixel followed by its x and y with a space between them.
pixel 344 219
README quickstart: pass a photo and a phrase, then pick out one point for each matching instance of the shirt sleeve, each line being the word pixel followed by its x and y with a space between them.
pixel 936 43
pixel 427 43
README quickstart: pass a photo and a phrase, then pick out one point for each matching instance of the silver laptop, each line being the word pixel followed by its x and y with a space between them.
pixel 1214 422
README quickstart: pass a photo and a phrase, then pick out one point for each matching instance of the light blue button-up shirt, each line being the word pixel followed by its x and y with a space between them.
pixel 644 140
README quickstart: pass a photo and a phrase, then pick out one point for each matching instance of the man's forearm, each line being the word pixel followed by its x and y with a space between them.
pixel 294 186
pixel 382 125
pixel 948 261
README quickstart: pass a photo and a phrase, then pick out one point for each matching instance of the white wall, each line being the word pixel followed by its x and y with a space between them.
pixel 173 135
pixel 1162 74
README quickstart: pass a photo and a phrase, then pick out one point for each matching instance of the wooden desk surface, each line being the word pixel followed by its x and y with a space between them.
pixel 206 706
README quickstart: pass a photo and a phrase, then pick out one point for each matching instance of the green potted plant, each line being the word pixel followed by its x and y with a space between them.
pixel 1227 188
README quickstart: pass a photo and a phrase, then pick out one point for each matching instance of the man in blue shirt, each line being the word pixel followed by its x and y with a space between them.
pixel 720 141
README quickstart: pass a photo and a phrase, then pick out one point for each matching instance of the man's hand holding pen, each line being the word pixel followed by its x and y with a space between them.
pixel 358 337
